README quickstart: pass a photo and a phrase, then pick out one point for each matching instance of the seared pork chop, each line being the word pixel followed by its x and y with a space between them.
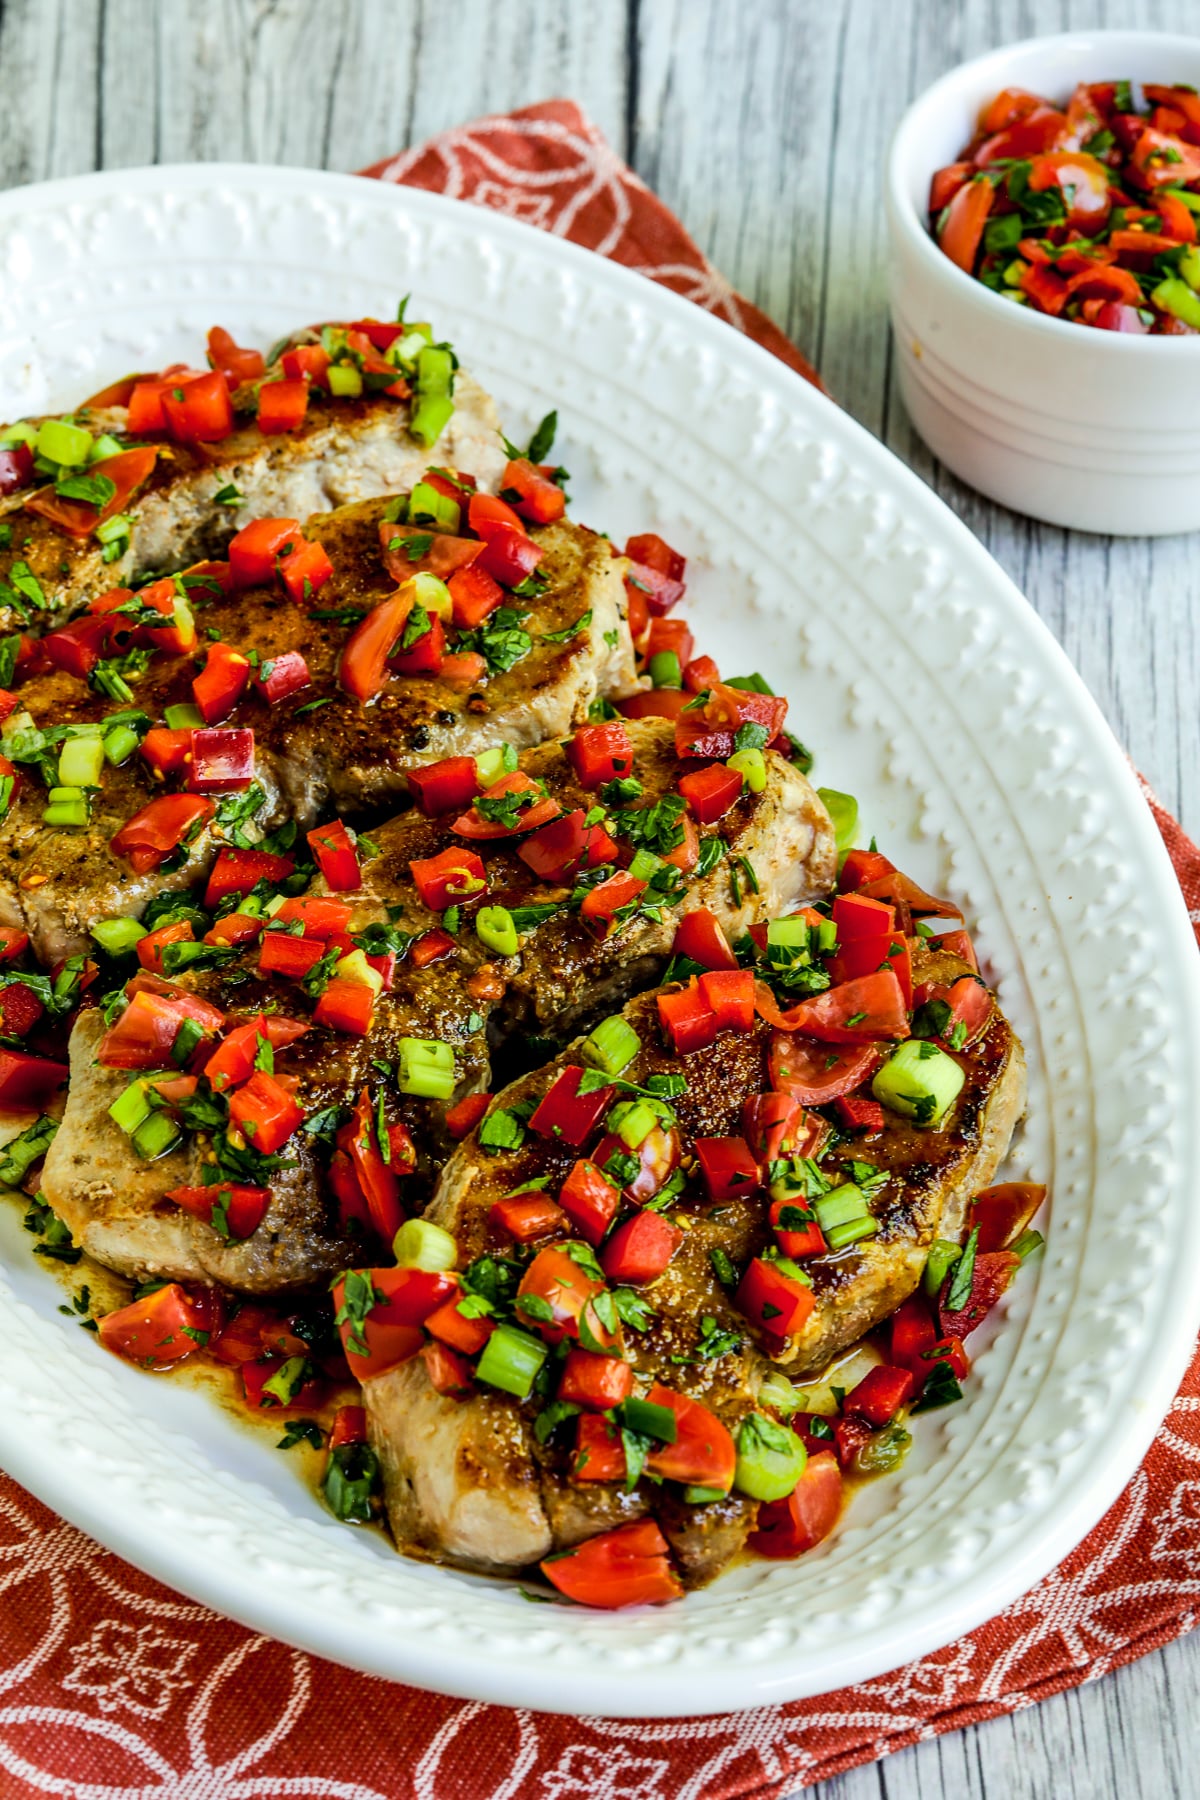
pixel 533 1499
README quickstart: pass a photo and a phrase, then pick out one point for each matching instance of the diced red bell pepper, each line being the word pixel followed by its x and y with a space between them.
pixel 304 571
pixel 282 405
pixel 163 1327
pixel 390 1332
pixel 880 1394
pixel 913 1337
pixel 599 1382
pixel 728 1167
pixel 320 914
pixel 28 1083
pixel 237 871
pixel 568 844
pixel 431 947
pixel 970 1004
pixel 795 1240
pixel 641 1249
pixel 78 646
pixel 222 760
pixel 291 957
pixel 233 1210
pixel 159 828
pixel 378 1181
pixel 198 410
pixel 590 1200
pixel 857 1112
pixel 475 595
pixel 626 1567
pixel 466 669
pixel 349 1427
pixel 775 1303
pixel 449 1373
pixel 236 364
pixel 687 1019
pixel 657 592
pixel 527 1216
pixel 251 1330
pixel 567 1115
pixel 603 903
pixel 670 634
pixel 450 876
pixel 337 857
pixel 537 808
pixel 307 362
pixel 425 654
pixel 787 1528
pixel 599 1451
pixel 465 1114
pixel 167 752
pixel 221 683
pixel 450 1326
pixel 346 1006
pixel 558 1279
pixel 150 948
pixel 363 668
pixel 686 853
pixel 232 1062
pixel 143 1036
pixel 648 548
pixel 729 996
pixel 857 916
pixel 265 1113
pixel 700 937
pixel 279 677
pixel 255 550
pixel 444 787
pixel 991 1277
pixel 260 1398
pixel 510 556
pixel 600 753
pixel 700 673
pixel 534 497
pixel 711 791
pixel 12 942
pixel 859 866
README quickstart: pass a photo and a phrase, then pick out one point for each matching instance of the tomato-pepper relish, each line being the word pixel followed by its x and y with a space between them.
pixel 1085 211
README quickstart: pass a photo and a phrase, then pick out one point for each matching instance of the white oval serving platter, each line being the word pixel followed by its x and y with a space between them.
pixel 927 686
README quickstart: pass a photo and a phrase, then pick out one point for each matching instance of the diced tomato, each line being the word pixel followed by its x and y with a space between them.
pixel 337 857
pixel 171 1323
pixel 595 1381
pixel 556 1278
pixel 255 550
pixel 787 1528
pixel 443 787
pixel 282 405
pixel 709 730
pixel 600 753
pixel 346 1006
pixel 143 1036
pixel 222 760
pixel 655 553
pixel 959 944
pixel 871 1007
pixel 474 592
pixel 260 1398
pixel 566 1114
pixel 449 876
pixel 654 703
pixel 992 1275
pixel 16 468
pixel 913 1336
pixel 701 938
pixel 599 1451
pixel 603 903
pixel 816 1073
pixel 159 828
pixel 703 1453
pixel 425 654
pixel 946 182
pixel 27 1083
pixel 728 1167
pixel 970 1005
pixel 568 844
pixel 589 1199
pixel 658 592
pixel 291 957
pixel 626 1567
pixel 880 1394
pixel 235 1211
pixel 221 683
pixel 450 1326
pixel 12 942
pixel 237 871
pixel 466 669
pixel 362 669
pixel 534 497
pixel 902 891
pixel 321 915
pixel 687 1018
pixel 775 1303
pixel 127 471
pixel 233 1060
pixel 236 364
pixel 767 1122
pixel 700 673
pixel 656 1159
pixel 1040 129
pixel 265 1113
pixel 539 809
pixel 711 791
pixel 390 1333
pixel 527 1216
pixel 150 948
pixel 20 1009
pixel 245 1336
pixel 449 1373
pixel 670 634
pixel 197 410
pixel 1002 1213
pixel 641 1249
pixel 304 571
pixel 466 1114
pixel 78 646
pixel 145 403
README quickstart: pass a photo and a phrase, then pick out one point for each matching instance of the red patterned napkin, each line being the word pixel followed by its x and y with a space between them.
pixel 111 1683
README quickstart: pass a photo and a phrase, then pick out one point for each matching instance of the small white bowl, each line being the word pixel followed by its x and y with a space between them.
pixel 1089 429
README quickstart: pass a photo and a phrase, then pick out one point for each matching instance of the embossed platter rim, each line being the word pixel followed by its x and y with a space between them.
pixel 907 654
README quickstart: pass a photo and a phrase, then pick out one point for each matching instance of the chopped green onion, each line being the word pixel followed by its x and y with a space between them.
pixel 425 1067
pixel 651 1420
pixel 787 934
pixel 511 1360
pixel 919 1081
pixel 419 1244
pixel 839 1205
pixel 751 766
pixel 883 1451
pixel 843 812
pixel 850 1231
pixel 492 764
pixel 664 669
pixel 60 442
pixel 120 744
pixel 645 865
pixel 702 1496
pixel 432 594
pixel 612 1046
pixel 156 1135
pixel 435 385
pixel 777 1392
pixel 941 1259
pixel 113 535
pixel 428 506
pixel 350 1478
pixel 67 806
pixel 633 1121
pixel 20 432
pixel 287 1380
pixel 184 718
pixel 130 1108
pixel 1189 266
pixel 105 445
pixel 1027 1243
pixel 117 936
pixel 770 1459
pixel 81 762
pixel 494 928
pixel 1175 296
pixel 345 381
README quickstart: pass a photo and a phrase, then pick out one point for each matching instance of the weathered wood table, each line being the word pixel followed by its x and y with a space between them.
pixel 764 125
